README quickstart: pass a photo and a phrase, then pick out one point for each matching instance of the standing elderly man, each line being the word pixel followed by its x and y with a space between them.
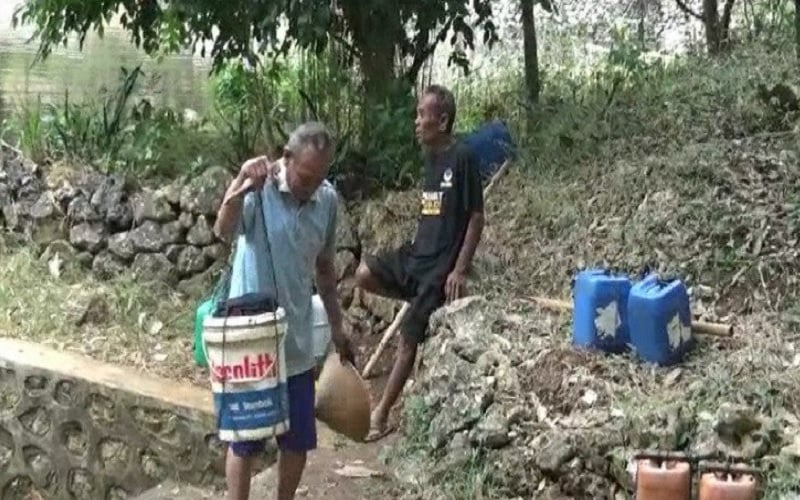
pixel 299 208
pixel 431 269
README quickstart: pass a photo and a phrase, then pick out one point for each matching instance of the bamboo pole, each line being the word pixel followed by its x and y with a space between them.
pixel 390 332
pixel 699 327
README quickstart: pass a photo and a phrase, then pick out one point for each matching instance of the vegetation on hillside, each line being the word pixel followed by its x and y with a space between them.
pixel 686 162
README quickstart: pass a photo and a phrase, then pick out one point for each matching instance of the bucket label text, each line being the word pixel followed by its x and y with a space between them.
pixel 248 368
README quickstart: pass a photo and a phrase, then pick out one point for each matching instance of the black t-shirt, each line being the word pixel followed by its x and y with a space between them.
pixel 451 192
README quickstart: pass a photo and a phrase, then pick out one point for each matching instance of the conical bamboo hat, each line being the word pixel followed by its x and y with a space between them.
pixel 343 399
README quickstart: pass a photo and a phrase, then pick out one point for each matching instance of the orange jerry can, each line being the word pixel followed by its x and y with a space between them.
pixel 663 480
pixel 733 483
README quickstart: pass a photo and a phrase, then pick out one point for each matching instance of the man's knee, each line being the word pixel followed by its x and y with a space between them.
pixel 364 278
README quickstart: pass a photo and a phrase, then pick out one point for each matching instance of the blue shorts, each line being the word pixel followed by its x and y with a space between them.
pixel 302 435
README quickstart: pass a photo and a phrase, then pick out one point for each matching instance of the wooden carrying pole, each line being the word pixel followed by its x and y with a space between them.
pixel 699 327
pixel 390 332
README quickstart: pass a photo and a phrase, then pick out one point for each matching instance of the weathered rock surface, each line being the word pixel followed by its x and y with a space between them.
pixel 108 222
pixel 549 421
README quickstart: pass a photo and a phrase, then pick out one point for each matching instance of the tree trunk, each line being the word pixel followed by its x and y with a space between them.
pixel 374 35
pixel 531 51
pixel 717 28
pixel 711 25
pixel 797 27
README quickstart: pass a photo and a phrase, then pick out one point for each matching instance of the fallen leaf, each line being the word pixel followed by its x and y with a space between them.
pixel 590 397
pixel 672 377
pixel 541 413
pixel 156 327
pixel 356 471
pixel 54 266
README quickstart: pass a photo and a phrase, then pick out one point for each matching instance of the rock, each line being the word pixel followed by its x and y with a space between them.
pixel 85 259
pixel 191 260
pixel 346 237
pixel 735 422
pixel 121 245
pixel 554 454
pixel 382 307
pixel 172 192
pixel 492 430
pixel 64 194
pixel 45 207
pixel 215 252
pixel 150 237
pixel 88 236
pixel 81 210
pixel 203 194
pixel 201 234
pixel 106 265
pixel 152 205
pixel 174 232
pixel 62 248
pixel 201 285
pixel 172 252
pixel 91 309
pixel 186 220
pixel 110 200
pixel 346 264
pixel 14 169
pixel 30 188
pixel 120 217
pixel 47 219
pixel 154 267
pixel 5 195
pixel 459 412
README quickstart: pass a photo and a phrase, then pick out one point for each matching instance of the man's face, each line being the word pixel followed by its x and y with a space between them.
pixel 306 170
pixel 430 124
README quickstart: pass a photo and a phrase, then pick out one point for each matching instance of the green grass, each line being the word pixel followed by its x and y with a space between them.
pixel 131 323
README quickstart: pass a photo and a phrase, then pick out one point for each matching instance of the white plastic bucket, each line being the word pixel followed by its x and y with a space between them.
pixel 248 376
pixel 322 329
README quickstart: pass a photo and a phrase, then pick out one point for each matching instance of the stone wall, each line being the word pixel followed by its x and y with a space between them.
pixel 110 223
pixel 71 427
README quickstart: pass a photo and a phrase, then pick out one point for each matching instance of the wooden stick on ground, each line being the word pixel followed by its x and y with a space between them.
pixel 390 332
pixel 699 327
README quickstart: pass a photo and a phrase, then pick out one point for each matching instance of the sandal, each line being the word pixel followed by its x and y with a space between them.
pixel 377 433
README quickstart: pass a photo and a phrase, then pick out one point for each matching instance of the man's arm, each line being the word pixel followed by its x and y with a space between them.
pixel 326 288
pixel 471 240
pixel 252 175
pixel 473 205
pixel 230 211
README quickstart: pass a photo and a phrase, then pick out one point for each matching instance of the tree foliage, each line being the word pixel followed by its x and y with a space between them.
pixel 376 31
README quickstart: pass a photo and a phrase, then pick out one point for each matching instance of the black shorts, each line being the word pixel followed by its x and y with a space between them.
pixel 423 292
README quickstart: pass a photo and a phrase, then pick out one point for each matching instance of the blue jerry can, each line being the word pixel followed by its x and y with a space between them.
pixel 660 320
pixel 600 314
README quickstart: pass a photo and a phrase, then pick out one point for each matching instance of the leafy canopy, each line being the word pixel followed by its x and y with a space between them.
pixel 245 28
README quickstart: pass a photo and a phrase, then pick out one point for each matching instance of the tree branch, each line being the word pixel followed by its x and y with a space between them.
pixel 421 54
pixel 682 5
pixel 726 18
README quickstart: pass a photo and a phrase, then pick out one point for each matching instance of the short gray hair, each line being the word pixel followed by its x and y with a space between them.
pixel 310 135
pixel 446 103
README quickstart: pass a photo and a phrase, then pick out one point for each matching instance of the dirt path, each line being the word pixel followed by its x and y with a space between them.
pixel 335 471
pixel 326 475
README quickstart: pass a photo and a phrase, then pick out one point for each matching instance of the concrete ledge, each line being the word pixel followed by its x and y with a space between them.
pixel 73 427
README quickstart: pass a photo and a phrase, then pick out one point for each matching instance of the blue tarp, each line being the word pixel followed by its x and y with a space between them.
pixel 492 145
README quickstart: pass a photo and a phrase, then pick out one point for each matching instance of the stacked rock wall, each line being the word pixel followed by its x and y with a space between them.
pixel 109 224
